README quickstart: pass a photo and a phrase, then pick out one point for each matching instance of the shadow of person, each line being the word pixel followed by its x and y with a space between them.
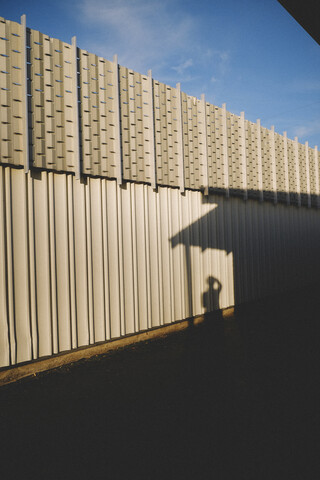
pixel 211 298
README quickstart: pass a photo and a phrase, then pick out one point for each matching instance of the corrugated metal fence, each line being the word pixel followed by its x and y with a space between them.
pixel 85 262
pixel 86 256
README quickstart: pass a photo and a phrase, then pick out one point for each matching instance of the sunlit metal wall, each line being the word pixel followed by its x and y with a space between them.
pixel 82 263
pixel 93 117
pixel 126 204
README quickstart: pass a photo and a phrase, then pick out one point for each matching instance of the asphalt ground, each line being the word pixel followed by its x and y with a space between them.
pixel 233 398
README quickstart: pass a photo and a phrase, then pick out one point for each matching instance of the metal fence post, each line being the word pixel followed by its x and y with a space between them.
pixel 151 130
pixel 24 77
pixel 180 141
pixel 116 96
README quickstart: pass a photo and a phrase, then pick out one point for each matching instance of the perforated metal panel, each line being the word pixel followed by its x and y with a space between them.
pixel 254 166
pixel 303 174
pixel 214 173
pixel 280 159
pixel 98 120
pixel 314 176
pixel 293 168
pixel 235 154
pixel 167 133
pixel 53 103
pixel 89 116
pixel 193 132
pixel 136 124
pixel 217 149
pixel 268 165
pixel 13 135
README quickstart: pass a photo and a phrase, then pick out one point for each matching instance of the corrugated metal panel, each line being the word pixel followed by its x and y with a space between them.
pixel 86 262
pixel 13 135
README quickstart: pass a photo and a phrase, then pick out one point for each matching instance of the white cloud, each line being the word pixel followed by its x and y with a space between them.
pixel 307 130
pixel 180 69
pixel 141 32
pixel 148 34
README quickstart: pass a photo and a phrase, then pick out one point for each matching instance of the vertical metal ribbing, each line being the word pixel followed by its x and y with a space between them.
pixel 89 261
pixel 273 165
pixel 4 285
pixel 76 136
pixel 24 77
pixel 72 262
pixel 205 146
pixel 308 174
pixel 180 140
pixel 296 164
pixel 286 168
pixel 148 262
pixel 182 274
pixel 151 133
pixel 120 263
pixel 225 149
pixel 9 257
pixel 259 154
pixel 105 259
pixel 116 97
pixel 316 171
pixel 160 256
pixel 243 156
pixel 32 268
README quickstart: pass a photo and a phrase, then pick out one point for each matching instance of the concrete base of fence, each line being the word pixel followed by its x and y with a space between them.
pixel 17 372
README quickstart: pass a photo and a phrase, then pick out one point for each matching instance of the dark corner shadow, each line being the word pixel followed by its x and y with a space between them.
pixel 208 232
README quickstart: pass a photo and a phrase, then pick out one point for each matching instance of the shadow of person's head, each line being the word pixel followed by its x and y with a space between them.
pixel 214 284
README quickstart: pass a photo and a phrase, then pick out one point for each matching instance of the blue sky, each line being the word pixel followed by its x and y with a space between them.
pixel 250 54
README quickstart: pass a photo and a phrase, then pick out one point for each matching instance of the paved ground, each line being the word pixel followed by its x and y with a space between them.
pixel 236 398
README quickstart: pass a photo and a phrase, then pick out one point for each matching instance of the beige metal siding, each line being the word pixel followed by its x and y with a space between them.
pixel 87 262
pixel 53 107
pixel 253 161
pixel 136 123
pixel 133 128
pixel 281 171
pixel 314 176
pixel 167 133
pixel 99 129
pixel 13 135
pixel 294 188
pixel 193 133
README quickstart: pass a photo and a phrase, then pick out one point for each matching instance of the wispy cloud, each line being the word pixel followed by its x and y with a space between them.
pixel 305 86
pixel 303 131
pixel 141 32
pixel 151 34
pixel 180 69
